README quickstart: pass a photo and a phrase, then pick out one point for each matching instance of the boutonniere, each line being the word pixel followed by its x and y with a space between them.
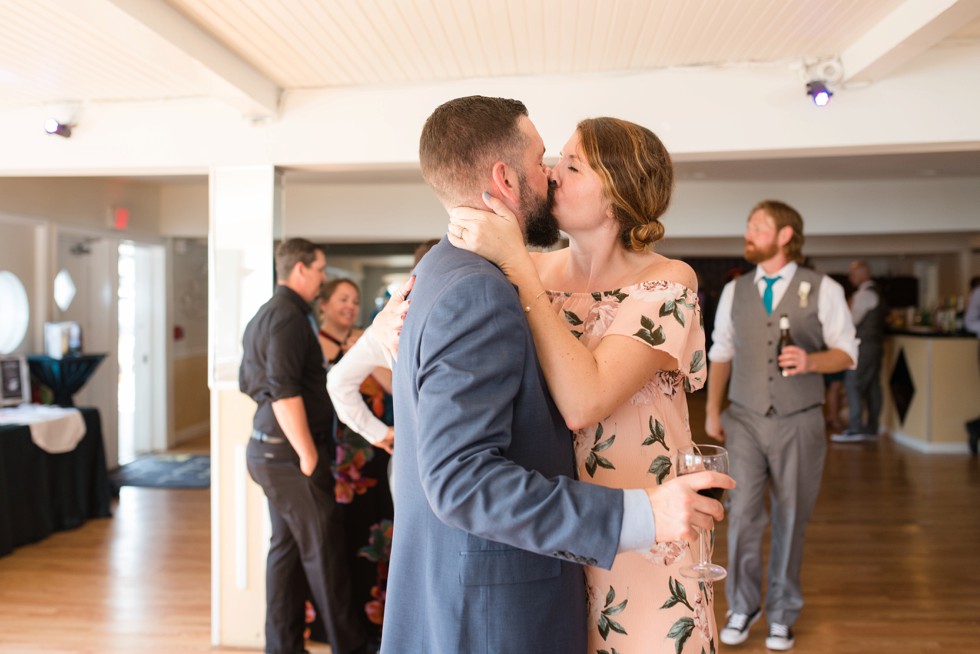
pixel 804 292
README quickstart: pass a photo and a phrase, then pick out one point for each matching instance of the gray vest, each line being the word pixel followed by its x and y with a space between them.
pixel 756 382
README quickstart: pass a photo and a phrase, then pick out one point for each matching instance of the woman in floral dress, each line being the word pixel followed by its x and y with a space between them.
pixel 360 469
pixel 620 339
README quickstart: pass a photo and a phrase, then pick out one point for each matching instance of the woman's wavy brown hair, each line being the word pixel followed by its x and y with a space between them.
pixel 637 175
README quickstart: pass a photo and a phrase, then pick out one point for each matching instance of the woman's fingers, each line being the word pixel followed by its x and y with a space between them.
pixel 403 291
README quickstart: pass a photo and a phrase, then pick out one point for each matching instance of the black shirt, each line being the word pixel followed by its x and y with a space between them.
pixel 283 359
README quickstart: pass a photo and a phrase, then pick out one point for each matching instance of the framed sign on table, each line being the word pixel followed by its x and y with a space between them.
pixel 15 387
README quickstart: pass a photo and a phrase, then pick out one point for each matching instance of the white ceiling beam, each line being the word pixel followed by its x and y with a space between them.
pixel 910 30
pixel 236 81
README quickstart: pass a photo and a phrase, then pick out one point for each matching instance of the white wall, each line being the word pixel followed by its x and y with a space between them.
pixel 82 202
pixel 700 209
pixel 701 113
pixel 18 255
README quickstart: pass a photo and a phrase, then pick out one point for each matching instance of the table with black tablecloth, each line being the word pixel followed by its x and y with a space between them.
pixel 41 493
pixel 64 376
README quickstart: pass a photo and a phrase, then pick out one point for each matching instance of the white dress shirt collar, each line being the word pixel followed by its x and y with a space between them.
pixel 786 272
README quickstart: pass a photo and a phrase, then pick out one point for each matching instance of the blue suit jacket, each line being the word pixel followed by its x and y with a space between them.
pixel 490 527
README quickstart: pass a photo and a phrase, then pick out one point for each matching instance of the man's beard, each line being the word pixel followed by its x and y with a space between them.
pixel 540 224
pixel 755 254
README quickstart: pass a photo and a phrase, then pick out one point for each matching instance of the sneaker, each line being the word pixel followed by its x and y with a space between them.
pixel 780 637
pixel 737 630
pixel 848 437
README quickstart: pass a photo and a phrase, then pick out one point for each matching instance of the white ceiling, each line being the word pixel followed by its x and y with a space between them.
pixel 252 53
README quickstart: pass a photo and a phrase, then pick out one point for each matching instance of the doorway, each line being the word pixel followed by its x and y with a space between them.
pixel 141 350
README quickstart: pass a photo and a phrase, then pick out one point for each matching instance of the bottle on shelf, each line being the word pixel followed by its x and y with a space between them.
pixel 784 339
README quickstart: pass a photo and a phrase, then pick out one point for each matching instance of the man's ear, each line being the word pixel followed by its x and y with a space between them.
pixel 505 181
pixel 785 235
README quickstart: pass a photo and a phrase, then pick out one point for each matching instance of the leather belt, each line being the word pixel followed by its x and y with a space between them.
pixel 266 438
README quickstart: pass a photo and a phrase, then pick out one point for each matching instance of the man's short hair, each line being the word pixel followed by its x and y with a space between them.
pixel 291 252
pixel 463 138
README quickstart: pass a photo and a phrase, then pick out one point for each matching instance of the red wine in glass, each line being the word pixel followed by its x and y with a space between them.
pixel 695 459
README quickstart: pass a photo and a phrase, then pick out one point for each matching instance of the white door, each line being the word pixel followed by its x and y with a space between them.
pixel 142 363
pixel 90 259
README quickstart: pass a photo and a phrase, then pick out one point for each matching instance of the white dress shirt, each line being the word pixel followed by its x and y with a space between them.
pixel 832 311
pixel 344 384
pixel 863 301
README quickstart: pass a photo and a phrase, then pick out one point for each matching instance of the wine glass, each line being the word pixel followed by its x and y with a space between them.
pixel 695 459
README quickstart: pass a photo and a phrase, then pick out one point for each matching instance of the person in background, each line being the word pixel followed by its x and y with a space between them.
pixel 971 323
pixel 338 307
pixel 833 401
pixel 774 426
pixel 360 465
pixel 492 527
pixel 367 357
pixel 863 384
pixel 289 455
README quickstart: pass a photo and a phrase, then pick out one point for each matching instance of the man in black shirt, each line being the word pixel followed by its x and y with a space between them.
pixel 289 455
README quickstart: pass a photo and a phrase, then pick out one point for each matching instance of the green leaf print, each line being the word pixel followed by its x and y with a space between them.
pixel 607 624
pixel 679 316
pixel 594 461
pixel 678 595
pixel 673 307
pixel 657 434
pixel 660 467
pixel 649 334
pixel 618 294
pixel 697 361
pixel 606 651
pixel 680 632
pixel 576 333
pixel 597 296
pixel 571 318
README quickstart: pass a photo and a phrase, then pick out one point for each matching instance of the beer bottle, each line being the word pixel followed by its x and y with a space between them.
pixel 784 340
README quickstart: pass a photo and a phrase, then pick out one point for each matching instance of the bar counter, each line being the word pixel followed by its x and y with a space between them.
pixel 931 386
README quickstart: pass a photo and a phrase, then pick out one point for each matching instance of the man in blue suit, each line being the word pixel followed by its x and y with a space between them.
pixel 490 525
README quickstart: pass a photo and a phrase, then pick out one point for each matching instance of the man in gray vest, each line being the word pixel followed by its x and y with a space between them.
pixel 863 385
pixel 774 426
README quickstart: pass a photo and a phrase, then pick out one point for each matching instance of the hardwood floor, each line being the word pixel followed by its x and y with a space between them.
pixel 891 566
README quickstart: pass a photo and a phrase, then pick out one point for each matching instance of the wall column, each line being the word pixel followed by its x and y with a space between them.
pixel 245 220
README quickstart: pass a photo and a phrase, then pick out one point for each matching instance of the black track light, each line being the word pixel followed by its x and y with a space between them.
pixel 818 92
pixel 55 126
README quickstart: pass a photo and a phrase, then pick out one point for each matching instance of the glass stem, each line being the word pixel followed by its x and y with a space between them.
pixel 703 546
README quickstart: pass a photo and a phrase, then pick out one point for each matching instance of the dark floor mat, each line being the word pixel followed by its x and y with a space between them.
pixel 165 471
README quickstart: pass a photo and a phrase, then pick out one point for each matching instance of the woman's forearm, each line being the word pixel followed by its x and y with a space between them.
pixel 585 388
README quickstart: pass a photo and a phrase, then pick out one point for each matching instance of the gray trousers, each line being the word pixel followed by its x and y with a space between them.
pixel 785 454
pixel 863 387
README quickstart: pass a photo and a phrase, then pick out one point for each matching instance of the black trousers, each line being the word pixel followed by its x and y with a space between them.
pixel 307 549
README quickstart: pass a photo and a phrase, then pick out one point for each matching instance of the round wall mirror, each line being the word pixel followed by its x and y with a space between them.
pixel 15 311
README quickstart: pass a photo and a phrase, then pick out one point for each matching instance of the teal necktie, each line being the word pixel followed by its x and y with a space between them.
pixel 767 294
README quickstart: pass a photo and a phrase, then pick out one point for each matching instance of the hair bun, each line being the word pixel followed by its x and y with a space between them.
pixel 642 237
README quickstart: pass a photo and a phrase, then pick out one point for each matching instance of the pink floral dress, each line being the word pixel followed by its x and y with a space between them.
pixel 643 604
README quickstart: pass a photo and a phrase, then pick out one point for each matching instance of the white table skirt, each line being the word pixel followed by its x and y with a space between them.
pixel 55 430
